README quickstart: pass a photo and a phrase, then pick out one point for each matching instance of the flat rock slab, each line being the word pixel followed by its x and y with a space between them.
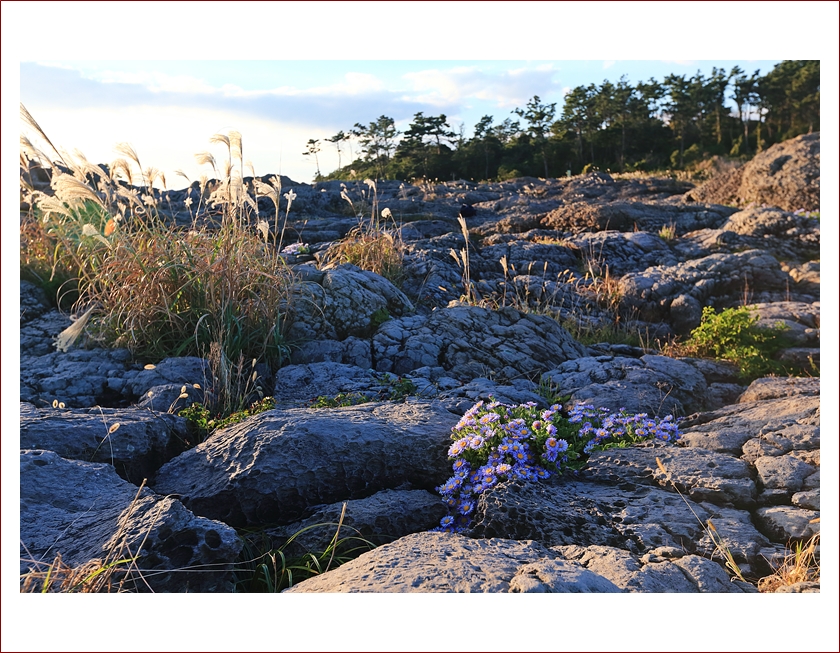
pixel 135 441
pixel 728 429
pixel 657 385
pixel 445 562
pixel 699 474
pixel 664 570
pixel 84 511
pixel 275 467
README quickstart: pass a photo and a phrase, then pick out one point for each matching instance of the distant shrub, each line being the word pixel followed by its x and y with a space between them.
pixel 733 335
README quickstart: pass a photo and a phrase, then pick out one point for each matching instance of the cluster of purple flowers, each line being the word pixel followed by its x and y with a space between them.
pixel 494 442
pixel 295 248
pixel 601 427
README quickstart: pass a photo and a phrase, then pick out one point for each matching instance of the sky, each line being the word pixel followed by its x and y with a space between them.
pixel 168 109
pixel 165 76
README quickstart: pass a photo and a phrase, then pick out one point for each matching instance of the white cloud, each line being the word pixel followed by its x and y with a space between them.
pixel 608 64
pixel 506 89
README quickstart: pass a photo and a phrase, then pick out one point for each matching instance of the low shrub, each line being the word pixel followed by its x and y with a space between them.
pixel 734 336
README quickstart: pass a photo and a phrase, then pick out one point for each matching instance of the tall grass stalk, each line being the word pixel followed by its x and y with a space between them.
pixel 101 246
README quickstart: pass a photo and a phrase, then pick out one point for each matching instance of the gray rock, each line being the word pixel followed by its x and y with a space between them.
pixel 443 562
pixel 728 429
pixel 171 397
pixel 630 216
pixel 809 499
pixel 469 341
pixel 33 302
pixel 783 234
pixel 784 471
pixel 654 384
pixel 631 517
pixel 140 442
pixel 185 370
pixel 347 303
pixel 274 467
pixel 79 378
pixel 785 523
pixel 781 387
pixel 84 511
pixel 786 175
pixel 700 475
pixel 652 572
pixel 38 329
pixel 718 279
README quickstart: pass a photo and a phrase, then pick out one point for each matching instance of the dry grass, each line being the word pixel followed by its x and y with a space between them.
pixel 720 544
pixel 113 573
pixel 374 245
pixel 100 245
pixel 801 565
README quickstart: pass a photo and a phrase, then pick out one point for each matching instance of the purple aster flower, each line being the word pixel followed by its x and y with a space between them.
pixel 447 521
pixel 465 507
pixel 489 418
pixel 460 465
pixel 458 447
pixel 503 469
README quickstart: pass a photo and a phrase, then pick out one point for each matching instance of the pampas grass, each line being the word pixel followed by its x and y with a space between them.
pixel 100 245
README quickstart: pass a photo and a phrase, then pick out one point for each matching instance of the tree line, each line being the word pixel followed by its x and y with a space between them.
pixel 654 125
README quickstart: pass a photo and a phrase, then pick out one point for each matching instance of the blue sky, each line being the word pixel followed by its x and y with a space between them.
pixel 165 76
pixel 168 109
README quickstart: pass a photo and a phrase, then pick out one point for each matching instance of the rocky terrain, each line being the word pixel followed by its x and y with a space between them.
pixel 550 260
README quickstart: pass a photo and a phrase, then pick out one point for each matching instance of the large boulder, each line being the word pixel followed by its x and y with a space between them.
pixel 786 175
pixel 84 511
pixel 470 341
pixel 580 217
pixel 653 384
pixel 347 301
pixel 275 467
pixel 679 292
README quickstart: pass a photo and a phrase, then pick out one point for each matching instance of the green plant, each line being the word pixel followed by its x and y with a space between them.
pixel 341 400
pixel 397 387
pixel 267 569
pixel 668 232
pixel 550 391
pixel 202 422
pixel 733 335
pixel 379 317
